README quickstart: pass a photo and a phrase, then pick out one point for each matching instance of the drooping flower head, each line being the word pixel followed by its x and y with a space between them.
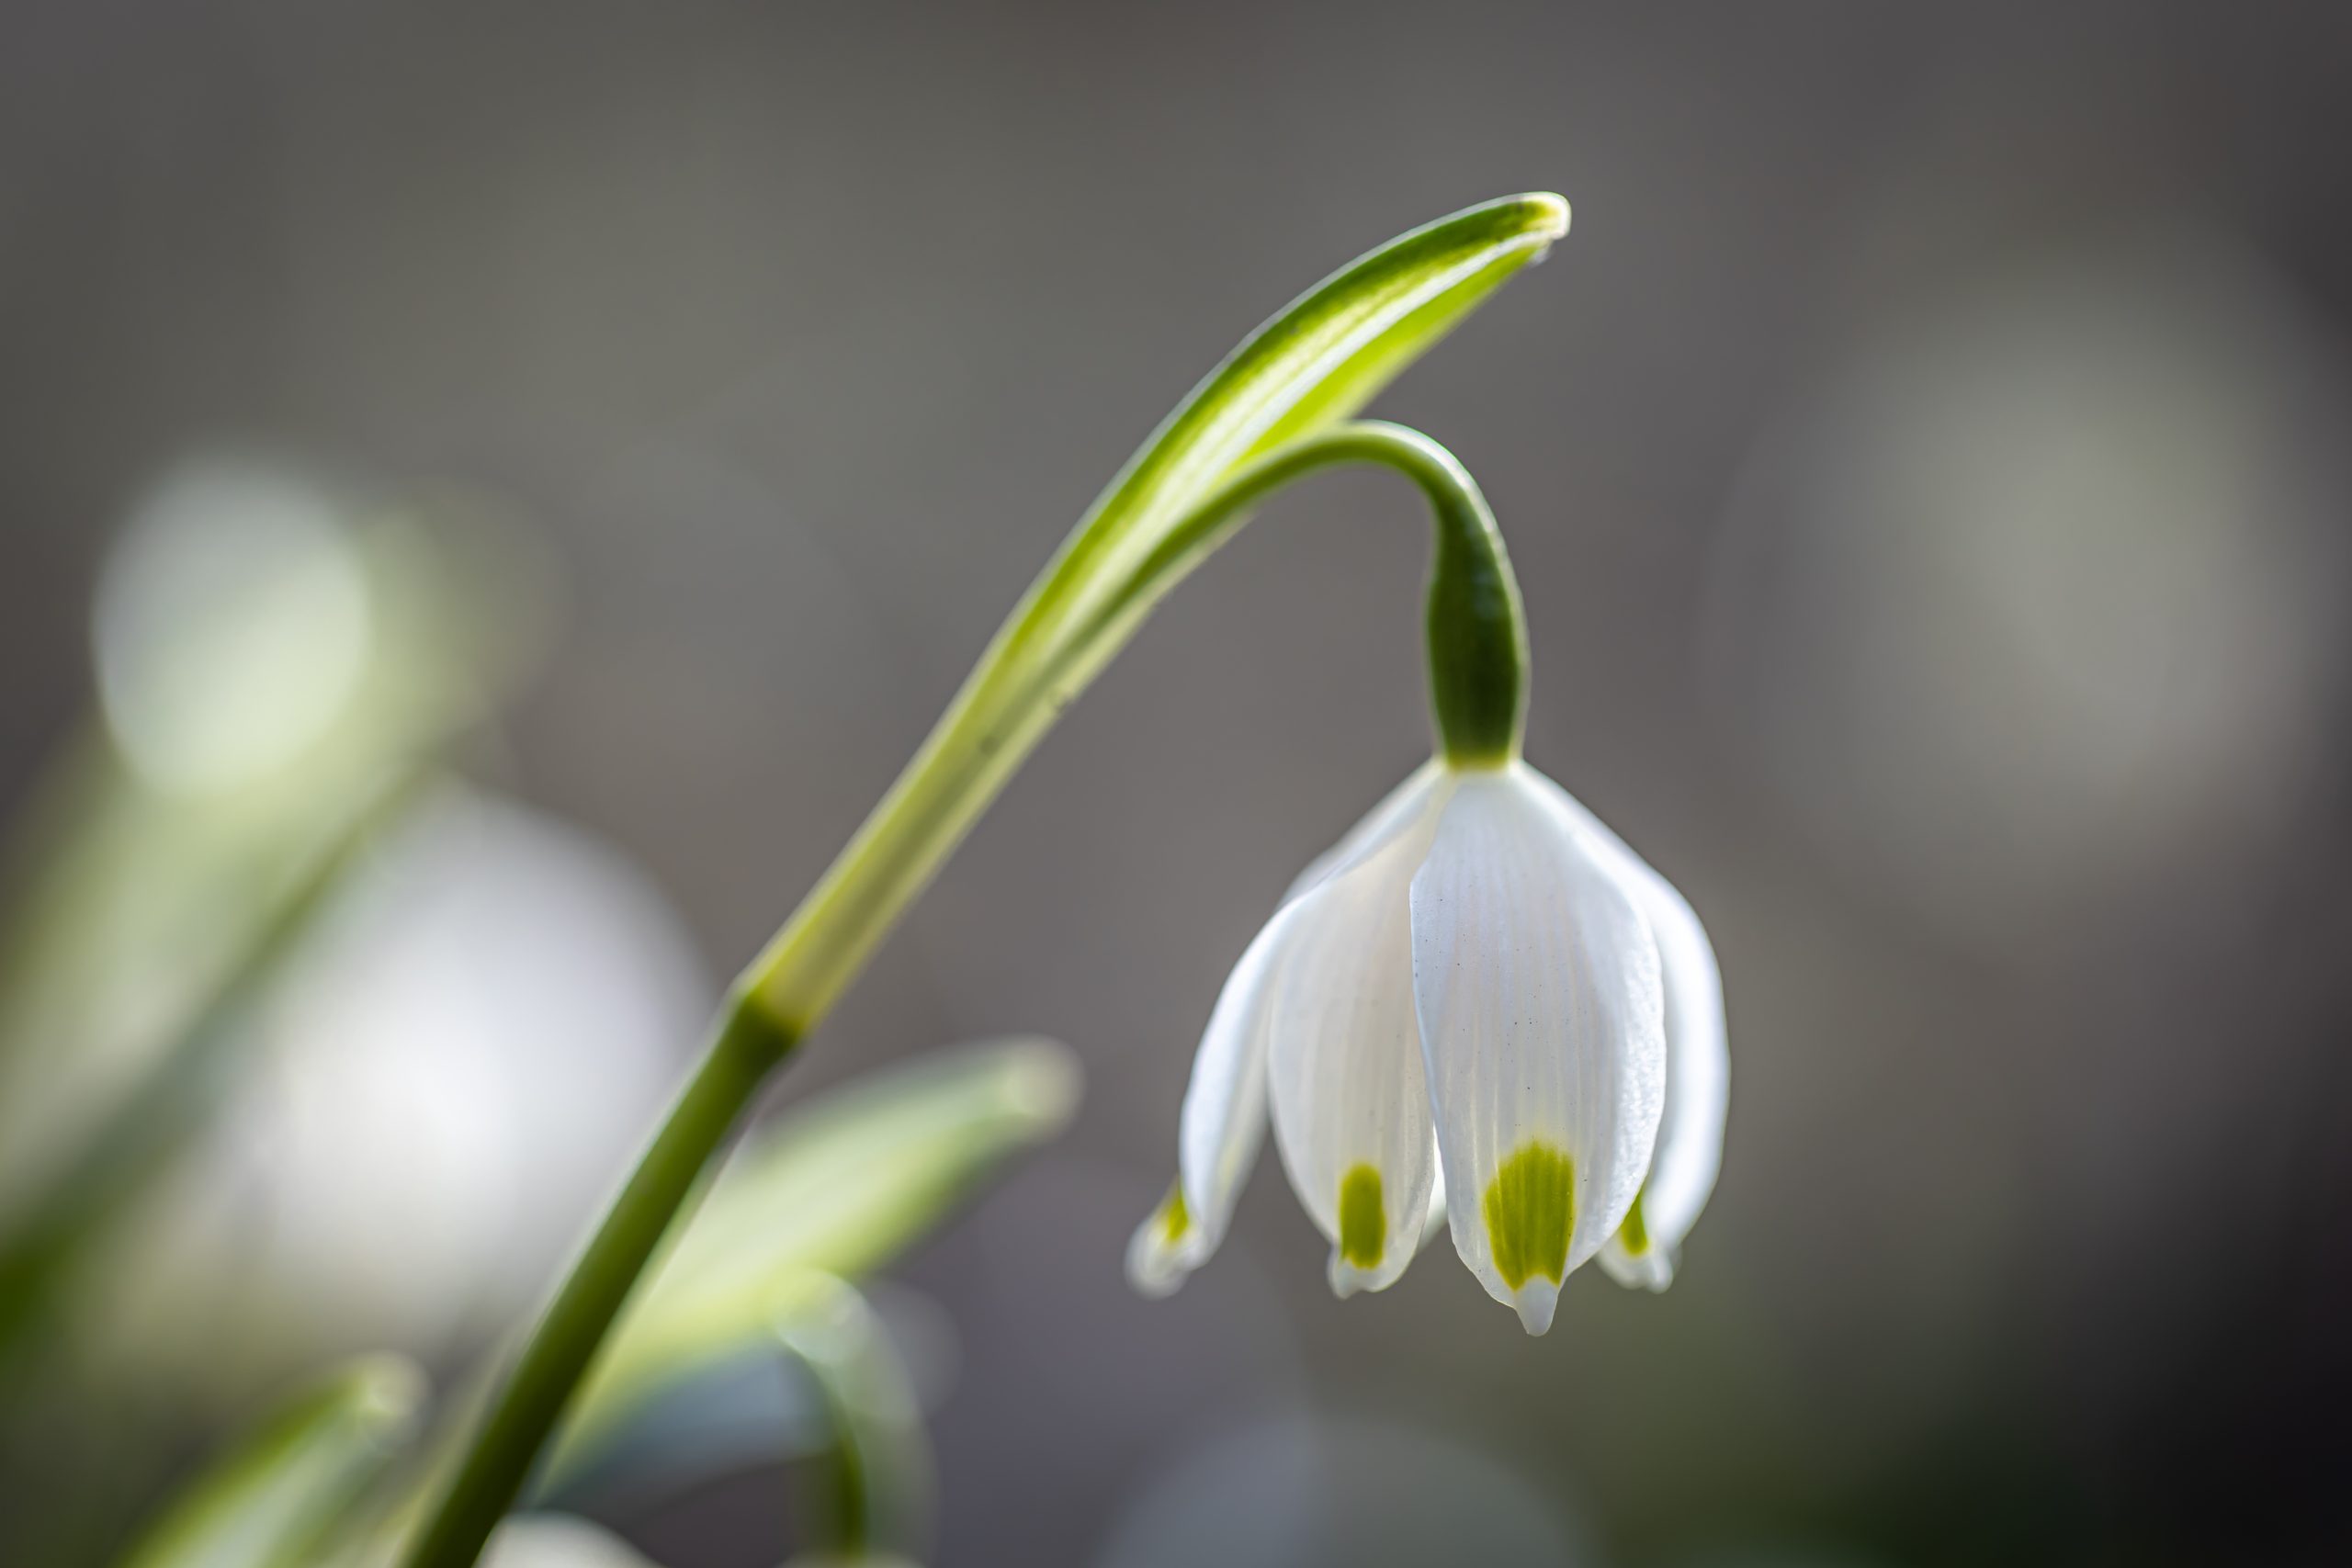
pixel 1479 998
pixel 1480 989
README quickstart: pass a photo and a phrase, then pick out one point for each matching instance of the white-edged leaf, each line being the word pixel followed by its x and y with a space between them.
pixel 837 1186
pixel 273 1500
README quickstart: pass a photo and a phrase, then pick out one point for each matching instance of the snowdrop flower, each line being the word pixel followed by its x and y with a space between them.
pixel 1480 991
pixel 1480 1000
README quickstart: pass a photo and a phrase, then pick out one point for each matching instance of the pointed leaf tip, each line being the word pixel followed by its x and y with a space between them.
pixel 839 1185
pixel 275 1499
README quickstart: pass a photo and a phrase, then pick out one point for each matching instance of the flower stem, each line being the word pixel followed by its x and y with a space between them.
pixel 1046 654
pixel 1477 629
pixel 747 1046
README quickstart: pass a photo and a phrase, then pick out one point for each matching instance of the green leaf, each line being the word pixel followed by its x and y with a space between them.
pixel 1314 365
pixel 273 1502
pixel 837 1186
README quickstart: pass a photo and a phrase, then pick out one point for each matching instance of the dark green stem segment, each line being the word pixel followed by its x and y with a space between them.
pixel 1477 652
pixel 1477 632
pixel 748 1046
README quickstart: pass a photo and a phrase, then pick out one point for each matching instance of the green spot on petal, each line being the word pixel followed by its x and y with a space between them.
pixel 1530 1209
pixel 1175 1219
pixel 1634 1235
pixel 1364 1223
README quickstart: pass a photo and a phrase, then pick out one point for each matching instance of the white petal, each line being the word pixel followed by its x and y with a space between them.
pixel 1350 1096
pixel 1161 1254
pixel 1222 1125
pixel 1435 1217
pixel 1697 1064
pixel 1536 982
pixel 1406 800
pixel 1224 1119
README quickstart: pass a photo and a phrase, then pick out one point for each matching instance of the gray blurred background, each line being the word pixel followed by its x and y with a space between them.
pixel 1926 459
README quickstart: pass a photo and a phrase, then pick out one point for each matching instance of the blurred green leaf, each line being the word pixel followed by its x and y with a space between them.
pixel 147 912
pixel 879 1464
pixel 126 1145
pixel 273 1502
pixel 837 1186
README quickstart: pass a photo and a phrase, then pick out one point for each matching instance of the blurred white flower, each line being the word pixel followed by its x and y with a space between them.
pixel 477 1035
pixel 557 1540
pixel 1481 980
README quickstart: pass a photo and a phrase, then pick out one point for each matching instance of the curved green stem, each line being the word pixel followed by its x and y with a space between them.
pixel 1045 655
pixel 1043 661
pixel 1477 631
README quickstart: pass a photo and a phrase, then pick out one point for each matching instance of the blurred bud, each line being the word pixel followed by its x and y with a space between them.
pixel 558 1540
pixel 233 623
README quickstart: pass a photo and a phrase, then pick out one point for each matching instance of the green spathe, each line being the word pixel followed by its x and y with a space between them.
pixel 1529 1208
pixel 1363 1221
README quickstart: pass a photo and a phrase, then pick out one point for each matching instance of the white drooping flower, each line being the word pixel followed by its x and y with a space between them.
pixel 1479 992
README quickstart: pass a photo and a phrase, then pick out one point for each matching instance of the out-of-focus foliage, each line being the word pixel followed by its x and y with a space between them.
pixel 277 671
pixel 428 1103
pixel 278 681
pixel 880 1462
pixel 835 1188
pixel 271 1500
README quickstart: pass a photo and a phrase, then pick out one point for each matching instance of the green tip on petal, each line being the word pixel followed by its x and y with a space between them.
pixel 1530 1209
pixel 1634 1235
pixel 1633 1259
pixel 1363 1221
pixel 1166 1247
pixel 1175 1219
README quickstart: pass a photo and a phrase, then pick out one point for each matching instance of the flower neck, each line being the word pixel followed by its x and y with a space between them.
pixel 1477 633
